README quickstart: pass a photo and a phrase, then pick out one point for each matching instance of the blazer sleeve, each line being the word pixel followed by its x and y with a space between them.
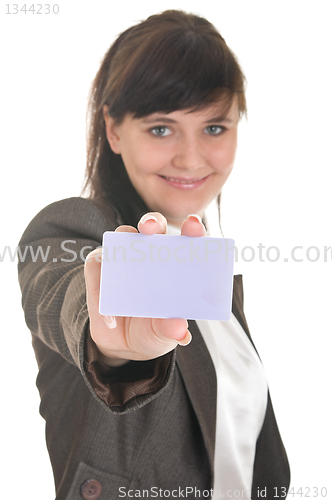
pixel 51 276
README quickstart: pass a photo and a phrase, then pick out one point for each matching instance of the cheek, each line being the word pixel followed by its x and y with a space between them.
pixel 143 160
pixel 223 162
pixel 134 164
pixel 224 157
pixel 155 157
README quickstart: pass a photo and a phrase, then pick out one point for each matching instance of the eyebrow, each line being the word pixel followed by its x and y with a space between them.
pixel 165 119
pixel 221 118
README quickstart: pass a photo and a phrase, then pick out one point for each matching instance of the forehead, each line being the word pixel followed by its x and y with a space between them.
pixel 217 111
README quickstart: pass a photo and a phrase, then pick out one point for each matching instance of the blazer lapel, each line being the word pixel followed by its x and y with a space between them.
pixel 199 376
pixel 237 303
pixel 237 306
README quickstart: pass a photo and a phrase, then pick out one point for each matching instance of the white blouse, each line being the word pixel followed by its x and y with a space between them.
pixel 241 403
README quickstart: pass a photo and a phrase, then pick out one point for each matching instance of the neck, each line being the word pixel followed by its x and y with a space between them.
pixel 175 223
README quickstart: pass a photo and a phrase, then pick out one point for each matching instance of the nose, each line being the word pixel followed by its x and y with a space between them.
pixel 188 154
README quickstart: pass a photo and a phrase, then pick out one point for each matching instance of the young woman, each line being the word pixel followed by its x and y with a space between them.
pixel 148 407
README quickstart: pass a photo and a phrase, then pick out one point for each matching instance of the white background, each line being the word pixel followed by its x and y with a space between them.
pixel 278 195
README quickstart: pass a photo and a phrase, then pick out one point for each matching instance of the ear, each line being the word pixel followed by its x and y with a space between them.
pixel 111 131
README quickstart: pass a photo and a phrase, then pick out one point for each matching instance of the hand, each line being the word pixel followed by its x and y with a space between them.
pixel 122 339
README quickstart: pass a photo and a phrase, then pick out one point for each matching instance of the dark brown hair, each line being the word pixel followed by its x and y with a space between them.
pixel 170 61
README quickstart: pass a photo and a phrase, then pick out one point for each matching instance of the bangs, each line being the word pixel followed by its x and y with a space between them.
pixel 178 70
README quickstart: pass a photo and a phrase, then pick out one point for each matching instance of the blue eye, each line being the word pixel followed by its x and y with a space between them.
pixel 214 129
pixel 160 131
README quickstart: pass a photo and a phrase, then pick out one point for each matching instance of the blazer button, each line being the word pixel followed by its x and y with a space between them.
pixel 91 489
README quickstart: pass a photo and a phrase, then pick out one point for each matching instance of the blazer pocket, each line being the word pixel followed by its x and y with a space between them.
pixel 93 484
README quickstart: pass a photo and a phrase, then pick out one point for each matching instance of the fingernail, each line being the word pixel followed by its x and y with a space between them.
pixel 110 322
pixel 147 217
pixel 94 254
pixel 186 340
pixel 197 217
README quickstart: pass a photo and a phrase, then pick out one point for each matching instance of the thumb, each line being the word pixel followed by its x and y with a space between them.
pixel 172 328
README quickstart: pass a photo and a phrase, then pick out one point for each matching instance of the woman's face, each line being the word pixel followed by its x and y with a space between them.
pixel 178 162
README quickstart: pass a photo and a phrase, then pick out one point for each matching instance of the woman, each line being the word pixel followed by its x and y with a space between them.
pixel 129 411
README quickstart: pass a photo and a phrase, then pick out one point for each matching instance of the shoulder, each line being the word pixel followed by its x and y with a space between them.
pixel 73 216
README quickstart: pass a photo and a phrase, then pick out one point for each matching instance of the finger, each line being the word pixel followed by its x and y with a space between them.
pixel 186 340
pixel 92 269
pixel 110 322
pixel 193 226
pixel 126 229
pixel 152 223
pixel 172 328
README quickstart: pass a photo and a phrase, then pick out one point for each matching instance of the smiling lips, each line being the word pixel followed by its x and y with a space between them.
pixel 183 183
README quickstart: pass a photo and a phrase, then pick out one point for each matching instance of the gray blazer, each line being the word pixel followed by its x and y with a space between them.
pixel 145 426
